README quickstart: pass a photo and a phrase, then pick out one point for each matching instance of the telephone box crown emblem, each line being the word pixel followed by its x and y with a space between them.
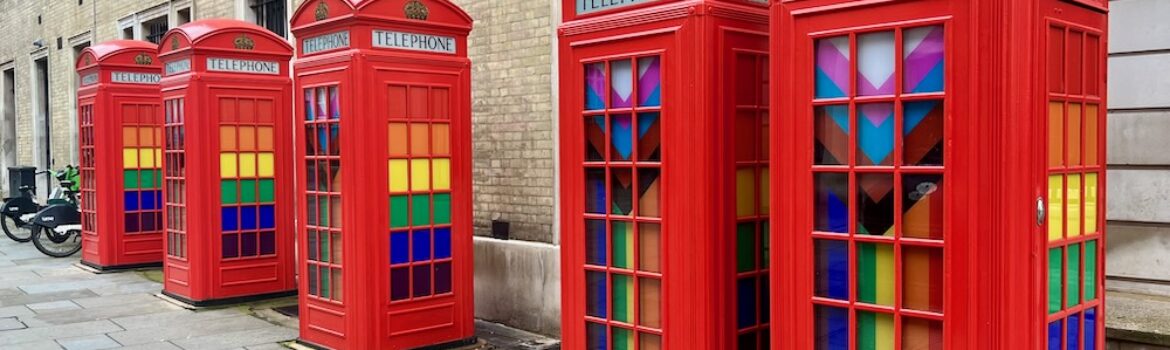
pixel 143 59
pixel 415 9
pixel 87 60
pixel 174 43
pixel 243 42
pixel 322 10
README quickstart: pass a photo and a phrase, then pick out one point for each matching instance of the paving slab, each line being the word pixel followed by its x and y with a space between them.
pixel 267 335
pixel 37 345
pixel 111 300
pixel 25 299
pixel 11 324
pixel 93 342
pixel 102 313
pixel 174 318
pixel 208 327
pixel 46 333
pixel 53 306
pixel 152 346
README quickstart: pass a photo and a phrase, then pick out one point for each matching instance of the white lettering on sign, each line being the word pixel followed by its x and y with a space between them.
pixel 176 67
pixel 414 41
pixel 135 78
pixel 243 66
pixel 589 6
pixel 325 42
pixel 89 79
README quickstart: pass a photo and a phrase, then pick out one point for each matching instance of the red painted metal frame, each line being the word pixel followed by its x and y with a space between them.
pixel 363 316
pixel 994 291
pixel 695 41
pixel 100 106
pixel 198 273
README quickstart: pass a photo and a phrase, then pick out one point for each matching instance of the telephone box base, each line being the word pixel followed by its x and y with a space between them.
pixel 189 304
pixel 301 343
pixel 104 269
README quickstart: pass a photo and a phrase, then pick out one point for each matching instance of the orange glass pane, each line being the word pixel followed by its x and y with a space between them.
pixel 1055 134
pixel 129 136
pixel 1092 135
pixel 650 302
pixel 441 139
pixel 1074 134
pixel 264 141
pixel 227 138
pixel 146 137
pixel 396 139
pixel 247 138
pixel 419 140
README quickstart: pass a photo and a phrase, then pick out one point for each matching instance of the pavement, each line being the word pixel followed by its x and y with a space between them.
pixel 48 303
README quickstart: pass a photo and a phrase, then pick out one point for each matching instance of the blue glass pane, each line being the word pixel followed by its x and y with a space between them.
pixel 595 249
pixel 595 294
pixel 131 200
pixel 309 110
pixel 443 243
pixel 832 269
pixel 765 302
pixel 1091 328
pixel 267 216
pixel 746 302
pixel 421 245
pixel 231 247
pixel 399 248
pixel 149 200
pixel 1074 332
pixel 231 218
pixel 832 328
pixel 595 336
pixel 1054 336
pixel 248 218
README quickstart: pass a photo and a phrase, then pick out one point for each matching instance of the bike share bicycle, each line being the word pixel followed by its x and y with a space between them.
pixel 58 226
pixel 17 213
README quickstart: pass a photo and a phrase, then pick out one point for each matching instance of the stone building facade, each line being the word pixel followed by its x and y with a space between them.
pixel 513 50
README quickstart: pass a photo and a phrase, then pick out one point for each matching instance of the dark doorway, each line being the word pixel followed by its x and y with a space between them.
pixel 43 125
pixel 7 124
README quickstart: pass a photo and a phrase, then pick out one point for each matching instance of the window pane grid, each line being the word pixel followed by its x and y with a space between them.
pixel 323 179
pixel 623 173
pixel 142 146
pixel 87 185
pixel 175 181
pixel 750 229
pixel 878 183
pixel 1074 228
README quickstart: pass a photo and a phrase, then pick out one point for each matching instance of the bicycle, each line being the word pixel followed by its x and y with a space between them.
pixel 58 232
pixel 17 213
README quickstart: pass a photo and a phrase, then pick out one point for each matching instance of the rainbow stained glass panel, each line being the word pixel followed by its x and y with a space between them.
pixel 622 244
pixel 875 204
pixel 596 292
pixel 923 59
pixel 875 64
pixel 650 302
pixel 649 253
pixel 875 134
pixel 922 334
pixel 875 331
pixel 831 258
pixel 922 133
pixel 831 328
pixel 831 203
pixel 595 86
pixel 650 81
pixel 649 137
pixel 621 191
pixel 621 137
pixel 922 278
pixel 623 298
pixel 831 125
pixel 623 339
pixel 596 336
pixel 832 67
pixel 875 273
pixel 595 133
pixel 649 186
pixel 922 206
pixel 621 84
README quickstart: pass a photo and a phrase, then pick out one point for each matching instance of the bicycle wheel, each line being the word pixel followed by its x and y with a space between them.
pixel 15 229
pixel 57 245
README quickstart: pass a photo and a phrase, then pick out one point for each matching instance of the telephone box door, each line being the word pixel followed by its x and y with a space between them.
pixel 868 172
pixel 423 235
pixel 142 146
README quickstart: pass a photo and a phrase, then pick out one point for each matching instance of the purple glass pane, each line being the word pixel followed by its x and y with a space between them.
pixel 422 280
pixel 248 244
pixel 231 248
pixel 132 223
pixel 443 278
pixel 267 243
pixel 399 283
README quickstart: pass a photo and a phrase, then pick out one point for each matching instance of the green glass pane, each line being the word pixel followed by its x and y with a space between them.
pixel 147 179
pixel 623 298
pixel 745 247
pixel 442 208
pixel 228 192
pixel 764 244
pixel 325 288
pixel 130 179
pixel 1073 293
pixel 1090 270
pixel 247 191
pixel 324 245
pixel 267 191
pixel 623 339
pixel 399 211
pixel 623 244
pixel 1055 275
pixel 323 211
pixel 421 205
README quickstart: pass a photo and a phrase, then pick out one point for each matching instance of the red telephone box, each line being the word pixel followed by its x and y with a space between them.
pixel 229 174
pixel 944 174
pixel 664 162
pixel 121 155
pixel 386 95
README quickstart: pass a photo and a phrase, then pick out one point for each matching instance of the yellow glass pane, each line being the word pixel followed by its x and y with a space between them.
pixel 420 140
pixel 1092 135
pixel 745 192
pixel 267 165
pixel 420 174
pixel 765 189
pixel 146 158
pixel 1055 207
pixel 158 157
pixel 227 139
pixel 441 139
pixel 247 165
pixel 1073 213
pixel 130 158
pixel 247 138
pixel 146 137
pixel 129 136
pixel 1091 214
pixel 399 181
pixel 442 174
pixel 228 165
pixel 264 139
pixel 397 139
pixel 1074 134
pixel 1055 134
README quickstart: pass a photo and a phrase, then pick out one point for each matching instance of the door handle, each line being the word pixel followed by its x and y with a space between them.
pixel 1041 211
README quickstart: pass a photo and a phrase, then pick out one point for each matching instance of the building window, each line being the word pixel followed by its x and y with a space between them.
pixel 153 30
pixel 271 14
